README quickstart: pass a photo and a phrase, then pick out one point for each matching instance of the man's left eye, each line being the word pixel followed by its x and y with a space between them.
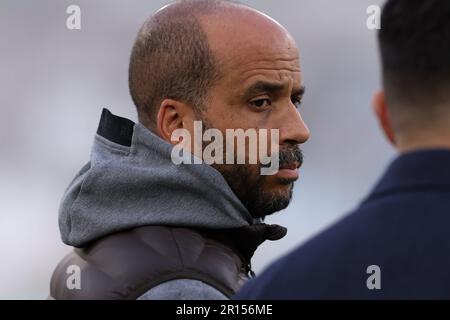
pixel 260 103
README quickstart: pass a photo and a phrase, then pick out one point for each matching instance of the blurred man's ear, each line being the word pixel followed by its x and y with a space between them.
pixel 174 115
pixel 382 113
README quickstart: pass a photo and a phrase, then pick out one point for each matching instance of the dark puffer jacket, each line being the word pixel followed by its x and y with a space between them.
pixel 128 264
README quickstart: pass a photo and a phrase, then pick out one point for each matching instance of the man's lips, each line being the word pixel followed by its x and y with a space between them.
pixel 289 171
pixel 290 166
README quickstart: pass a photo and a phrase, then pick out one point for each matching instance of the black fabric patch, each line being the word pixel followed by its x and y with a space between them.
pixel 116 129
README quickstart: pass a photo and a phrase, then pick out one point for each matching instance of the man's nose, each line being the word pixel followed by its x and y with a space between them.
pixel 293 130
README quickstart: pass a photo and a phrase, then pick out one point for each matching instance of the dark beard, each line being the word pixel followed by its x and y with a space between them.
pixel 250 186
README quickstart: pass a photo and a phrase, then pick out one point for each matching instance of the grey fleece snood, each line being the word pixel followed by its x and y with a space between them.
pixel 125 187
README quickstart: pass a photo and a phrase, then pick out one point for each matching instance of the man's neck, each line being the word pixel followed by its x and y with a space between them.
pixel 423 141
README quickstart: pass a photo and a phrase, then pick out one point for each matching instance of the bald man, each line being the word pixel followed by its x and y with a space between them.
pixel 145 227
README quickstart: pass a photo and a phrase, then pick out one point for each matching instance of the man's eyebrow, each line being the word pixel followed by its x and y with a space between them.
pixel 299 92
pixel 270 87
pixel 263 86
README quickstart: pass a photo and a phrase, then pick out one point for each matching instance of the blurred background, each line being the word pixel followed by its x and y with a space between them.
pixel 54 83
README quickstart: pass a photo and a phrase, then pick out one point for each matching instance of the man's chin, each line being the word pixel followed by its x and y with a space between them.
pixel 273 200
pixel 261 195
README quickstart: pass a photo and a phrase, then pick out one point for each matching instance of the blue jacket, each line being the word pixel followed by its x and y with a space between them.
pixel 402 228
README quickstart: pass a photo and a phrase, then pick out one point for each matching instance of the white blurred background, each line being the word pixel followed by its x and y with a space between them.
pixel 54 83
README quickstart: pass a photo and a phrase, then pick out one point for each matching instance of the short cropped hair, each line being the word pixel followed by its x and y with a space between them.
pixel 171 59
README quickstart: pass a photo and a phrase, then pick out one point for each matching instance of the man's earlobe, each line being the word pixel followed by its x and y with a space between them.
pixel 382 113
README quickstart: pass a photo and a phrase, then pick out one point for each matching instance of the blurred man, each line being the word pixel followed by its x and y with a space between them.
pixel 146 228
pixel 396 244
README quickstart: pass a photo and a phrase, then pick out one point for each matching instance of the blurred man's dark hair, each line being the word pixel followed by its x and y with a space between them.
pixel 415 53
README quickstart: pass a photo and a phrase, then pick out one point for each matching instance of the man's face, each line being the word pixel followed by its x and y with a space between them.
pixel 261 88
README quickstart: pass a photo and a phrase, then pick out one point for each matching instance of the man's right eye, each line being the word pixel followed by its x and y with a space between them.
pixel 260 103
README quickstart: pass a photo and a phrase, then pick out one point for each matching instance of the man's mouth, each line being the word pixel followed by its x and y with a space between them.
pixel 289 171
pixel 290 166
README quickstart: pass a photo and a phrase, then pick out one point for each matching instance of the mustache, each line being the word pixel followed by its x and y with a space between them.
pixel 289 155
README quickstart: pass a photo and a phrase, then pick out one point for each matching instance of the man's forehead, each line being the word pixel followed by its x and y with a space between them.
pixel 246 33
pixel 274 58
pixel 279 69
pixel 249 46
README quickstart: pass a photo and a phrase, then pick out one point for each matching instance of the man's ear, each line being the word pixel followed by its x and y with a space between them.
pixel 173 115
pixel 381 111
